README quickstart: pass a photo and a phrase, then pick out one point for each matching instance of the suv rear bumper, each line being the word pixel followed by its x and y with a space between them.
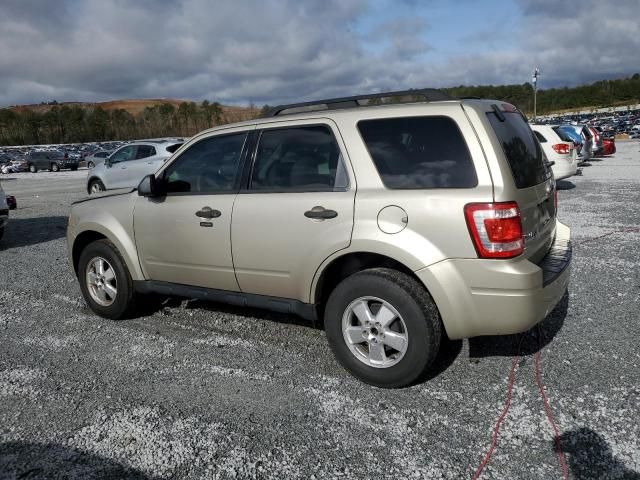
pixel 499 297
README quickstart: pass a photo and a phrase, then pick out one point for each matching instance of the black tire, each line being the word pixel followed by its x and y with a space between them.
pixel 32 168
pixel 1 233
pixel 54 167
pixel 73 169
pixel 417 309
pixel 96 183
pixel 91 165
pixel 124 304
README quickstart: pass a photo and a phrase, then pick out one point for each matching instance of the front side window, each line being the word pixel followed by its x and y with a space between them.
pixel 419 152
pixel 298 159
pixel 124 154
pixel 145 151
pixel 208 166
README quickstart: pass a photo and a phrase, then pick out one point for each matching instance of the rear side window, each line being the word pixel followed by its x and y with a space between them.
pixel 539 136
pixel 523 152
pixel 145 151
pixel 419 152
pixel 298 159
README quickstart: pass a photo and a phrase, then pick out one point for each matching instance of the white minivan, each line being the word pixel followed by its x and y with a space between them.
pixel 125 167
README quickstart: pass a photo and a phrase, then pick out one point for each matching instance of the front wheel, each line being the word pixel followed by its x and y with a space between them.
pixel 32 168
pixel 383 327
pixel 105 280
pixel 55 167
pixel 91 165
pixel 96 186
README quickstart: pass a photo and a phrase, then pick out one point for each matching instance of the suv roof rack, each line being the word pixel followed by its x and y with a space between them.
pixel 429 94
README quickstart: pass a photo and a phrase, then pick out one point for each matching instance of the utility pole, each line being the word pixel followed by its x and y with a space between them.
pixel 534 79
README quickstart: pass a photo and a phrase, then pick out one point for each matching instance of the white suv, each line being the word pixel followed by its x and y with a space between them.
pixel 125 167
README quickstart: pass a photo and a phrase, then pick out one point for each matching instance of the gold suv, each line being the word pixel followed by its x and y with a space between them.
pixel 395 224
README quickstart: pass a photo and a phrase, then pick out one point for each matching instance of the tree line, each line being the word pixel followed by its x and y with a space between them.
pixel 75 123
pixel 601 94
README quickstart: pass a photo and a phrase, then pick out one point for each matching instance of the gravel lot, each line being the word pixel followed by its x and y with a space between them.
pixel 202 390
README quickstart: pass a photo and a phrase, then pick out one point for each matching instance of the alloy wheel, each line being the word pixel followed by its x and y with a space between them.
pixel 101 281
pixel 375 332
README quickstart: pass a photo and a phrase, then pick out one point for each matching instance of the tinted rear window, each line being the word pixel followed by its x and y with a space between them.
pixel 563 134
pixel 419 152
pixel 521 148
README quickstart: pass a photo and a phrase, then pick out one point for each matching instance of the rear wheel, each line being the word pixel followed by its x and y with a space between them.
pixel 73 169
pixel 383 327
pixel 1 233
pixel 55 167
pixel 90 164
pixel 32 168
pixel 96 186
pixel 105 281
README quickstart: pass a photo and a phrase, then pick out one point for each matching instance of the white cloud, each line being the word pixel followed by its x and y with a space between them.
pixel 284 50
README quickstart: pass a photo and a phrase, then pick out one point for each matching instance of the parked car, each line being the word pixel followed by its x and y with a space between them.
pixel 597 146
pixel 586 152
pixel 562 154
pixel 608 146
pixel 125 167
pixel 53 161
pixel 426 246
pixel 97 158
pixel 4 212
pixel 14 166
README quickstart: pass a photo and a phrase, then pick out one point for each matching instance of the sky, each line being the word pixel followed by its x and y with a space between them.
pixel 279 51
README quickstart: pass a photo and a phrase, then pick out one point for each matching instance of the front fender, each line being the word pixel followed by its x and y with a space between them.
pixel 111 217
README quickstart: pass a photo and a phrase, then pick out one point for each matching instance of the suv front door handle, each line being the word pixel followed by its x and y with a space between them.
pixel 320 213
pixel 208 212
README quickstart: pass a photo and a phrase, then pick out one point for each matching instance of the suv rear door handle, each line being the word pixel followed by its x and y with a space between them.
pixel 320 213
pixel 208 212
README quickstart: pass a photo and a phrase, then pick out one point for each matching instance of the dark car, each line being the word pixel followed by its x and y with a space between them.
pixel 53 161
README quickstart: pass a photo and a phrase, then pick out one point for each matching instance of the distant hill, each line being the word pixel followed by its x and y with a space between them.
pixel 135 107
pixel 127 119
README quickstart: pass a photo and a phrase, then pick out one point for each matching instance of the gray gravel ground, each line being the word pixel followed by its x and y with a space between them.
pixel 197 390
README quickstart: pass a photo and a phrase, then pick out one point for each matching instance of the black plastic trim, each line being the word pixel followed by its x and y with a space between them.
pixel 306 311
pixel 556 261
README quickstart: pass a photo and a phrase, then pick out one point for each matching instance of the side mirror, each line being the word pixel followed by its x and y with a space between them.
pixel 149 187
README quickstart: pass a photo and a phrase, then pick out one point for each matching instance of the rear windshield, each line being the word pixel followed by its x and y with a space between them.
pixel 521 148
pixel 563 134
pixel 419 152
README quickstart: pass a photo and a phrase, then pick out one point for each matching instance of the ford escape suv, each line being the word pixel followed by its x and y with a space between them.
pixel 395 224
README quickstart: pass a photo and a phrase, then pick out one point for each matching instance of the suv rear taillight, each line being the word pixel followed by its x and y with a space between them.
pixel 561 148
pixel 495 228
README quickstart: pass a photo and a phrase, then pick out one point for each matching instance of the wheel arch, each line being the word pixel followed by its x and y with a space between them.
pixel 93 233
pixel 92 179
pixel 339 268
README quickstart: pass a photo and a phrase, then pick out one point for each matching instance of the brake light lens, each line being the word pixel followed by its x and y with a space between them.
pixel 561 148
pixel 495 228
